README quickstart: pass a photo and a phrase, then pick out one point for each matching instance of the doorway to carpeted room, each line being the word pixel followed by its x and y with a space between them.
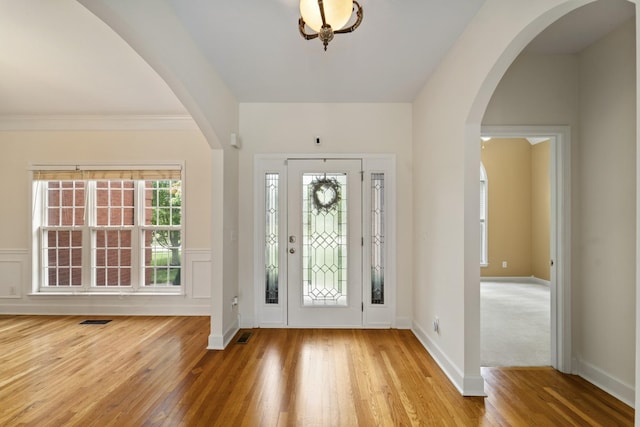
pixel 515 324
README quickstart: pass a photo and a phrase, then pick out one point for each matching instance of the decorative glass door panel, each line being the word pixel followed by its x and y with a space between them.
pixel 324 243
pixel 324 239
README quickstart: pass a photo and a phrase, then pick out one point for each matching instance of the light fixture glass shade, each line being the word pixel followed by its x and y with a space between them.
pixel 336 13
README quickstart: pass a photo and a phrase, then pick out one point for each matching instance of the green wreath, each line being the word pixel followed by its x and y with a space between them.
pixel 325 193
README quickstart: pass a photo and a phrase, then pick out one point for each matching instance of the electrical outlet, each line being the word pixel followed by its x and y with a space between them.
pixel 504 264
pixel 12 290
pixel 436 325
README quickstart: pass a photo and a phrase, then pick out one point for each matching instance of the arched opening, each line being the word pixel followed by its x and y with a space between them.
pixel 582 242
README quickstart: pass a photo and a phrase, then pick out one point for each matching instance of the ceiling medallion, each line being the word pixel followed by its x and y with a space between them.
pixel 325 193
pixel 327 18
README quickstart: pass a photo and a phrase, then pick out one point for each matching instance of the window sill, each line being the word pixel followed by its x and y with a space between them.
pixel 110 294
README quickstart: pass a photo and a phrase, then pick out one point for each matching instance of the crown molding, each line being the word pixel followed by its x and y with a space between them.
pixel 96 122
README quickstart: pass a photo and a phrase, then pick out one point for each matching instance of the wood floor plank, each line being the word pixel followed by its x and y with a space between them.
pixel 156 371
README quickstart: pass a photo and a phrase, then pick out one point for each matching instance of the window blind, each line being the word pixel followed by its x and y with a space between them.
pixel 107 174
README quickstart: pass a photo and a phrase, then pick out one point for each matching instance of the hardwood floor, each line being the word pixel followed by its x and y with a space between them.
pixel 155 371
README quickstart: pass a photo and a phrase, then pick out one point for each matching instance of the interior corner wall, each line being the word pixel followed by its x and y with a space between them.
pixel 24 148
pixel 509 218
pixel 291 128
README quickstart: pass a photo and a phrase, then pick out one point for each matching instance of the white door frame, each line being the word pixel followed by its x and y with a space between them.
pixel 374 315
pixel 560 180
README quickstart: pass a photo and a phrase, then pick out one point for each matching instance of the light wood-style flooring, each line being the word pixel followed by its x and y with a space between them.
pixel 156 371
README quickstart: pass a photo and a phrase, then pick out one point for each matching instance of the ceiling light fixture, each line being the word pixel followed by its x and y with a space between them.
pixel 328 17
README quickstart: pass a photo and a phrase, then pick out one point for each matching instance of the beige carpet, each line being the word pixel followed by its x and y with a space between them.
pixel 514 324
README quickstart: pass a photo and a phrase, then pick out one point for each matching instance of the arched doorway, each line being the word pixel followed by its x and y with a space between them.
pixel 567 359
pixel 448 115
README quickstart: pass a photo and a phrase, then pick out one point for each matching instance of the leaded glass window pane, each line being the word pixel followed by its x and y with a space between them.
pixel 324 239
pixel 377 238
pixel 271 238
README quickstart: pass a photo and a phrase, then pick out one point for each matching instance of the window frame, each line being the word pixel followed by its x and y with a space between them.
pixel 90 228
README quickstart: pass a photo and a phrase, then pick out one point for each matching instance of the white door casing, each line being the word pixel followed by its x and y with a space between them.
pixel 560 283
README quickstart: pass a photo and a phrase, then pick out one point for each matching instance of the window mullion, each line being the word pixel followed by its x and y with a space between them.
pixel 89 237
pixel 136 237
pixel 43 239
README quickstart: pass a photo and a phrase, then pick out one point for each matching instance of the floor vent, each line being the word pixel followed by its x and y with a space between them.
pixel 244 338
pixel 95 322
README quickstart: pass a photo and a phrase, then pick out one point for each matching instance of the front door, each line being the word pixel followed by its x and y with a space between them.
pixel 324 243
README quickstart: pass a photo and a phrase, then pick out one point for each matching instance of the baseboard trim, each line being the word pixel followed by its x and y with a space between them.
pixel 467 386
pixel 220 342
pixel 613 386
pixel 104 310
pixel 377 325
pixel 516 279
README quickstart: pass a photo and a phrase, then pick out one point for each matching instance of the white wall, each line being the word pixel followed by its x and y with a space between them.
pixel 343 128
pixel 606 160
pixel 23 148
pixel 537 90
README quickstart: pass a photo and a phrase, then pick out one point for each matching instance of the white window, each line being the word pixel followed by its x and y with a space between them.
pixel 108 230
pixel 484 257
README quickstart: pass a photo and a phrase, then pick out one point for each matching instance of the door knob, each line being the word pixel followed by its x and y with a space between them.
pixel 292 250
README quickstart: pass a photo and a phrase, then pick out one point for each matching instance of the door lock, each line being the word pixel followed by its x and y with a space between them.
pixel 292 251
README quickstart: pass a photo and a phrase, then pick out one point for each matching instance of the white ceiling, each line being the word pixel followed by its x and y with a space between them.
pixel 256 48
pixel 581 28
pixel 57 58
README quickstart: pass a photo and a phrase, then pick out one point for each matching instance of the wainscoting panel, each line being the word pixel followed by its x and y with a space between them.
pixel 16 296
pixel 13 273
pixel 198 264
